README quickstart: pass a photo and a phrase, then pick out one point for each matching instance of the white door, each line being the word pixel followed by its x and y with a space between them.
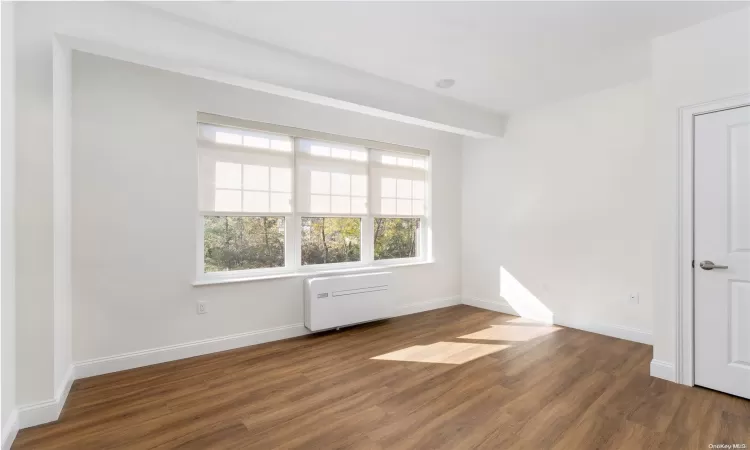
pixel 722 237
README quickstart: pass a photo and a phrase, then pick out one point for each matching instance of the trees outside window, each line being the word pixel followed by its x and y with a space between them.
pixel 272 199
pixel 327 240
pixel 240 243
pixel 396 237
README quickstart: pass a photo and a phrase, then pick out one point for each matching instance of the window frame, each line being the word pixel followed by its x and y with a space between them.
pixel 293 221
pixel 421 245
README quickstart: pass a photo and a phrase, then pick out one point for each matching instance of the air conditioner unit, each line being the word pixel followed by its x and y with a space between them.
pixel 332 302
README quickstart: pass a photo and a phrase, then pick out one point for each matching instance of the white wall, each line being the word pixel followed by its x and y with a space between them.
pixel 7 223
pixel 61 213
pixel 582 195
pixel 134 209
pixel 42 290
pixel 561 203
pixel 705 62
pixel 34 236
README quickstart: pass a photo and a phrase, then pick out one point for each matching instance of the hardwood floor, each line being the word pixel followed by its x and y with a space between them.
pixel 533 387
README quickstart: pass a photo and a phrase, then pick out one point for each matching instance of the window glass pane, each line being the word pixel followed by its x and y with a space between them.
pixel 388 206
pixel 255 201
pixel 228 175
pixel 340 205
pixel 388 188
pixel 320 203
pixel 336 171
pixel 245 138
pixel 403 188
pixel 282 144
pixel 241 179
pixel 228 200
pixel 240 243
pixel 327 240
pixel 281 179
pixel 256 141
pixel 400 159
pixel 341 153
pixel 396 238
pixel 359 185
pixel 418 190
pixel 340 184
pixel 223 137
pixel 320 150
pixel 359 155
pixel 320 182
pixel 403 207
pixel 406 162
pixel 255 177
pixel 281 203
pixel 359 205
pixel 417 207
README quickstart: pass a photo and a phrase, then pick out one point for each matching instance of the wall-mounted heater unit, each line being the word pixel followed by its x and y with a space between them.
pixel 337 301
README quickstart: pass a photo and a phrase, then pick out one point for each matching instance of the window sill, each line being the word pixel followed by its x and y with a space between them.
pixel 374 267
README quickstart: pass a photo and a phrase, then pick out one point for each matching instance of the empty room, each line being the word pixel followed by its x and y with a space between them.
pixel 375 225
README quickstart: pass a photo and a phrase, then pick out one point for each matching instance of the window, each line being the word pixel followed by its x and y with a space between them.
pixel 331 178
pixel 399 184
pixel 241 243
pixel 327 240
pixel 274 199
pixel 396 238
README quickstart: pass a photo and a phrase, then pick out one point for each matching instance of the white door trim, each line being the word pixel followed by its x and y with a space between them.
pixel 684 329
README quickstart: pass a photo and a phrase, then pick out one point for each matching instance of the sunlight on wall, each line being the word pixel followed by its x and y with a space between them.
pixel 521 299
pixel 442 352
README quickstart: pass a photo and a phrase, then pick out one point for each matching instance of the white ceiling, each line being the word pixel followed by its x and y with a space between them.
pixel 504 56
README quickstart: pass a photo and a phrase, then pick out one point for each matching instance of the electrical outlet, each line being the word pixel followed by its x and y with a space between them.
pixel 202 308
pixel 634 298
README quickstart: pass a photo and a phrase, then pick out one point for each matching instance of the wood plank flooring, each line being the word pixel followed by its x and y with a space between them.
pixel 536 387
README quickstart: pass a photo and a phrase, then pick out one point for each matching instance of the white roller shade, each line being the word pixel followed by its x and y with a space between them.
pixel 244 171
pixel 399 183
pixel 331 178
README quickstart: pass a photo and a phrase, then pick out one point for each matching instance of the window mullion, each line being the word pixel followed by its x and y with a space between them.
pixel 295 240
pixel 368 238
pixel 367 241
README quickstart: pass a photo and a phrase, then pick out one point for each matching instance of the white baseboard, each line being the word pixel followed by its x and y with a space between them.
pixel 417 307
pixel 493 305
pixel 504 307
pixel 48 410
pixel 663 370
pixel 125 361
pixel 616 331
pixel 132 360
pixel 10 430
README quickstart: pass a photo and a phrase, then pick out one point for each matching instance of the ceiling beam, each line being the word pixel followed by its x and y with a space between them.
pixel 176 44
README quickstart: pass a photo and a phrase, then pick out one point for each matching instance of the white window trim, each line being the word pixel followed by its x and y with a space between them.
pixel 292 221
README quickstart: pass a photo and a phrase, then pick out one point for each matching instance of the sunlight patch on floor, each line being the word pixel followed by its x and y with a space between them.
pixel 442 352
pixel 518 333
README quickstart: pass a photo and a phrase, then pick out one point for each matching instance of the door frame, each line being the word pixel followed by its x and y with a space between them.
pixel 685 325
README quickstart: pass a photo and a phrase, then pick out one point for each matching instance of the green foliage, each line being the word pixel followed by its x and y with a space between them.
pixel 328 240
pixel 240 243
pixel 395 238
pixel 237 243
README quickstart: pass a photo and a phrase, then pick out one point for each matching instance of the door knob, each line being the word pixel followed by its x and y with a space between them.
pixel 709 265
